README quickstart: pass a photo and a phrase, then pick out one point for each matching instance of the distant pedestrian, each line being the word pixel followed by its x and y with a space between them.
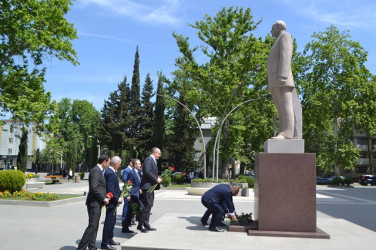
pixel 70 174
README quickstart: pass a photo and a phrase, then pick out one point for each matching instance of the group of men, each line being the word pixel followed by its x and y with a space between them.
pixel 104 190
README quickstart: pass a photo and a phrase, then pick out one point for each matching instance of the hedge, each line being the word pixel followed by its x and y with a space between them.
pixel 12 180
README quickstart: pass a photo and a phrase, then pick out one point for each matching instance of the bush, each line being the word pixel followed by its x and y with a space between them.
pixel 336 181
pixel 250 180
pixel 347 181
pixel 82 175
pixel 178 178
pixel 12 180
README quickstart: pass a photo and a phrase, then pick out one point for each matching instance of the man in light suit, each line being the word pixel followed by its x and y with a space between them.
pixel 112 186
pixel 216 200
pixel 96 197
pixel 281 84
pixel 134 195
pixel 149 178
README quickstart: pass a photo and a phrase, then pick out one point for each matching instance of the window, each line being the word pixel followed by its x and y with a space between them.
pixel 361 169
pixel 362 141
pixel 10 140
pixel 9 151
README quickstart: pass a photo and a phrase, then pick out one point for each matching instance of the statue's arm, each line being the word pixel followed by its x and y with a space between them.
pixel 286 48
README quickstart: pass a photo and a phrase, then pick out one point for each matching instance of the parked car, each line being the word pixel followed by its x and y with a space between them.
pixel 367 180
pixel 322 181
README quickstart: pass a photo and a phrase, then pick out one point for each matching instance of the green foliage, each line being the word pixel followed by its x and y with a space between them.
pixel 228 78
pixel 12 180
pixel 135 103
pixel 116 127
pixel 250 180
pixel 334 74
pixel 347 181
pixel 22 157
pixel 145 137
pixel 336 181
pixel 82 175
pixel 178 179
pixel 159 119
pixel 30 32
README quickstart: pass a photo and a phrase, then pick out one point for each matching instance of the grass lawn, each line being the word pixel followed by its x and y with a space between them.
pixel 182 186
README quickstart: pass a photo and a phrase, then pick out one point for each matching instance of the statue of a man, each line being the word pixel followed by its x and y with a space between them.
pixel 281 84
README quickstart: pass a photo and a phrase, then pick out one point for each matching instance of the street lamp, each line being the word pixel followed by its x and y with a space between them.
pixel 219 132
pixel 198 124
pixel 98 146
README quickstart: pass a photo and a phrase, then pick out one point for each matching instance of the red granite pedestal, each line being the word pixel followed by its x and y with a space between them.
pixel 285 195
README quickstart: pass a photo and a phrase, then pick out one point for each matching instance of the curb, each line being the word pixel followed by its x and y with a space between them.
pixel 42 203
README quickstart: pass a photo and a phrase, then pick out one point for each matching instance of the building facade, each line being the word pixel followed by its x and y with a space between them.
pixel 10 137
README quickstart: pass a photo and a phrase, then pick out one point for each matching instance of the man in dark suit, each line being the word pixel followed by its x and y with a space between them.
pixel 112 182
pixel 125 179
pixel 134 196
pixel 215 199
pixel 149 178
pixel 96 197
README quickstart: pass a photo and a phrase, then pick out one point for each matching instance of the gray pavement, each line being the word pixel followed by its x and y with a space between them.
pixel 176 216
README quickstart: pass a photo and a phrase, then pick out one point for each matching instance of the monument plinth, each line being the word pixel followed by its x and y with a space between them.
pixel 285 195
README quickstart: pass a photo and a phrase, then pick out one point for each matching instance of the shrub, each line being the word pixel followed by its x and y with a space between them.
pixel 336 181
pixel 178 178
pixel 250 180
pixel 12 180
pixel 82 175
pixel 347 181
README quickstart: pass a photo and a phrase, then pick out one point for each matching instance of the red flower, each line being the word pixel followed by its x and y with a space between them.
pixel 110 194
pixel 130 182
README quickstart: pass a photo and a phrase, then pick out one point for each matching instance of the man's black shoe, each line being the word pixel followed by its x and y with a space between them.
pixel 133 223
pixel 142 229
pixel 115 243
pixel 149 228
pixel 204 223
pixel 126 230
pixel 215 229
pixel 108 247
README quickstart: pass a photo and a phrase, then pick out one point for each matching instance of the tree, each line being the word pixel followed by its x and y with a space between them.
pixel 365 112
pixel 233 53
pixel 22 157
pixel 72 156
pixel 181 149
pixel 334 75
pixel 116 120
pixel 135 103
pixel 145 138
pixel 159 123
pixel 30 32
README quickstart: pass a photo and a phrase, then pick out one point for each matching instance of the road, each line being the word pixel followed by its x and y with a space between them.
pixel 355 204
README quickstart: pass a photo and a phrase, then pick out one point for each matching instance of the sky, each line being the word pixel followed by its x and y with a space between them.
pixel 110 30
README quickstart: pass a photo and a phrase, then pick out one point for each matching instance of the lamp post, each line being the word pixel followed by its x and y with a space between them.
pixel 219 132
pixel 61 157
pixel 99 150
pixel 198 125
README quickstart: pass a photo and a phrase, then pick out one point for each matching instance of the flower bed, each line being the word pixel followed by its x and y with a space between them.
pixel 24 195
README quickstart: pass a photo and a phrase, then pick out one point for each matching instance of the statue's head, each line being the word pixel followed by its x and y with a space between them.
pixel 277 27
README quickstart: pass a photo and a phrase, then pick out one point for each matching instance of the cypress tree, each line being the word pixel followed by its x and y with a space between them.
pixel 146 129
pixel 181 148
pixel 22 152
pixel 159 123
pixel 135 103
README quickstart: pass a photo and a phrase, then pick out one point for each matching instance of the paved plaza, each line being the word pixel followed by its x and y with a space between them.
pixel 176 216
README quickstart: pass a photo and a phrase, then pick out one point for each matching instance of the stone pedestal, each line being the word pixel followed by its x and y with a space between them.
pixel 285 194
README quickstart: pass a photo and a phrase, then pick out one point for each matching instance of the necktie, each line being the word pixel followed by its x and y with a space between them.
pixel 103 171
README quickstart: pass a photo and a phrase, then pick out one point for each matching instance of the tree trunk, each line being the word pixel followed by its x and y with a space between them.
pixel 369 154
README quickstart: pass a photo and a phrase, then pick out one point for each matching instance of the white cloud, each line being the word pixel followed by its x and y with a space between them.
pixel 342 13
pixel 156 11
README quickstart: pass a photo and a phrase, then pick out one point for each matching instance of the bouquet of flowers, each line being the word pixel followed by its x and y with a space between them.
pixel 110 196
pixel 166 178
pixel 125 192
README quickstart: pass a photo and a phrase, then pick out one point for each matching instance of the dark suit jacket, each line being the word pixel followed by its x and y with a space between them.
pixel 97 188
pixel 136 180
pixel 149 173
pixel 125 173
pixel 112 186
pixel 220 194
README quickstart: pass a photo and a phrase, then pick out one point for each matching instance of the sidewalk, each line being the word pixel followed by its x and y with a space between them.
pixel 176 216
